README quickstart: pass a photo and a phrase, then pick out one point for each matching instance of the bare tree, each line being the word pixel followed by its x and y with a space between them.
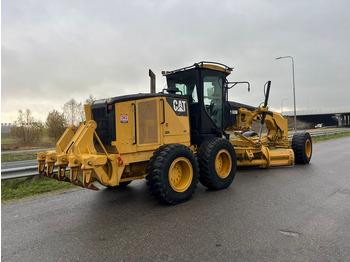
pixel 90 100
pixel 24 118
pixel 26 130
pixel 73 112
pixel 55 124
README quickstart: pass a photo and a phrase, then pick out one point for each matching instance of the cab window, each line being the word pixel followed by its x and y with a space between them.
pixel 213 96
pixel 186 83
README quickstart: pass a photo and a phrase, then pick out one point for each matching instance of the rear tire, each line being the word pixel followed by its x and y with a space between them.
pixel 173 174
pixel 217 163
pixel 302 147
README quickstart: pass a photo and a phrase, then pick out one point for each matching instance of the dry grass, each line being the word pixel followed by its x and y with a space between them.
pixel 10 143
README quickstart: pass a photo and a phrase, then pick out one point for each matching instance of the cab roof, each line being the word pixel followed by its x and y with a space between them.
pixel 209 65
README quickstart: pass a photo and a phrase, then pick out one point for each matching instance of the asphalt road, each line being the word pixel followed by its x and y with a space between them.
pixel 299 213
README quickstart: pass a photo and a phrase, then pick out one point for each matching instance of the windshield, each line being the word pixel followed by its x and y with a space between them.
pixel 186 84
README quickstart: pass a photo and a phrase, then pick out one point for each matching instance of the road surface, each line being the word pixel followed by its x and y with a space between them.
pixel 299 213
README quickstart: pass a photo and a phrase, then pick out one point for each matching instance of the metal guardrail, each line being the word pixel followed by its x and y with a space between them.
pixel 27 151
pixel 18 172
pixel 326 133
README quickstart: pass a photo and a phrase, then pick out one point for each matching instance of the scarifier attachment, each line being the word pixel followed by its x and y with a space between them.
pixel 61 176
pixel 74 176
pixel 41 163
pixel 87 179
pixel 77 151
pixel 48 157
pixel 50 160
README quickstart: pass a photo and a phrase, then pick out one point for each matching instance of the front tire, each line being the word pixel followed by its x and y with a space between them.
pixel 173 174
pixel 302 147
pixel 217 163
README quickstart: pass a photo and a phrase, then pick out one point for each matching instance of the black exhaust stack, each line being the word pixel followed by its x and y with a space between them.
pixel 153 81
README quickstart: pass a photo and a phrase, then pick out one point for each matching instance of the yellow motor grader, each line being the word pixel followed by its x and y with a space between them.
pixel 187 132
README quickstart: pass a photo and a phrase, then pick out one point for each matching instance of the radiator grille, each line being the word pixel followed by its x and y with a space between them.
pixel 105 124
pixel 147 122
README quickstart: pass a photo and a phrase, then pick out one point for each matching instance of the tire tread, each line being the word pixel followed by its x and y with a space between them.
pixel 204 160
pixel 298 146
pixel 156 180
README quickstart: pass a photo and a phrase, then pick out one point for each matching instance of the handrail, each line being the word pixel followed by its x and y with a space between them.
pixel 133 104
pixel 163 111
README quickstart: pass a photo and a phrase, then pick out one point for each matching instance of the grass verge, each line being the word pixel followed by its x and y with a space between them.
pixel 17 157
pixel 329 137
pixel 18 188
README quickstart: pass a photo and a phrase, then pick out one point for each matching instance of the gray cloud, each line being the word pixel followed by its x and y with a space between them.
pixel 55 50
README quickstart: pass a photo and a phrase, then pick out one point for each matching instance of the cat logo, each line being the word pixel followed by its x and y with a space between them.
pixel 179 105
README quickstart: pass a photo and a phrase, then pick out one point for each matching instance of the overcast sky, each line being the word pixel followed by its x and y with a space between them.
pixel 56 50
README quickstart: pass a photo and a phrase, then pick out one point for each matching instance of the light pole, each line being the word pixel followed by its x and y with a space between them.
pixel 295 111
pixel 283 99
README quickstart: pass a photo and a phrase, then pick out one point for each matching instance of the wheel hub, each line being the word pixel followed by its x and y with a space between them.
pixel 223 163
pixel 308 148
pixel 180 174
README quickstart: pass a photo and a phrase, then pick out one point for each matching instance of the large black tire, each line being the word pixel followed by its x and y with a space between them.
pixel 217 163
pixel 302 147
pixel 173 173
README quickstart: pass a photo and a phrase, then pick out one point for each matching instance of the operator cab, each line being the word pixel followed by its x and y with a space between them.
pixel 205 86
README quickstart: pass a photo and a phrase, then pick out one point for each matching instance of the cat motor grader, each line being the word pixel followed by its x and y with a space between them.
pixel 187 132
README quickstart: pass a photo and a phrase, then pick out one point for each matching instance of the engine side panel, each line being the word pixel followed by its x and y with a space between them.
pixel 146 124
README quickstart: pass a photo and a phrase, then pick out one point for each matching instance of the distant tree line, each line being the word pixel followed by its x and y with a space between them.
pixel 28 131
